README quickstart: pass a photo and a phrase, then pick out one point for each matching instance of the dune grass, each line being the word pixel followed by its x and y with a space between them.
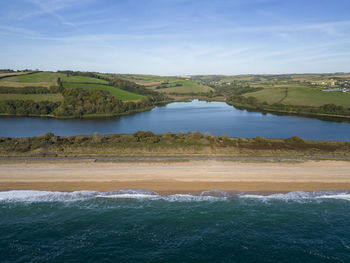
pixel 168 144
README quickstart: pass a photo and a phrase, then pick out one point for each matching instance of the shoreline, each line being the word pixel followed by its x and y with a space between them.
pixel 311 115
pixel 192 176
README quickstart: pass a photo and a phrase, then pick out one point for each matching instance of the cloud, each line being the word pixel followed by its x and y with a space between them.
pixel 52 8
pixel 330 28
pixel 18 31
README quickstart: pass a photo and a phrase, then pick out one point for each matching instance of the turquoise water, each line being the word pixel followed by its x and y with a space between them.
pixel 217 118
pixel 141 226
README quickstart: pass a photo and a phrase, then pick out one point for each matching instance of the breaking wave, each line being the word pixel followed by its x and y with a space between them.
pixel 140 194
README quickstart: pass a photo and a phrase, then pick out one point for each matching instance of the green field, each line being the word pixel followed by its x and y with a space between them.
pixel 270 79
pixel 82 79
pixel 117 93
pixel 302 96
pixel 185 86
pixel 9 74
pixel 40 79
pixel 143 78
pixel 35 97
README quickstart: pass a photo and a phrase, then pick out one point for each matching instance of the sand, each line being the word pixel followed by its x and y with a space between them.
pixel 175 177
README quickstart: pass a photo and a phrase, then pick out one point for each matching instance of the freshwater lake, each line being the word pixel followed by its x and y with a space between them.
pixel 217 118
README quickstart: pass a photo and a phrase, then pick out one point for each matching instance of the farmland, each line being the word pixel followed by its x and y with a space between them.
pixel 82 79
pixel 68 94
pixel 40 79
pixel 9 74
pixel 168 85
pixel 185 87
pixel 117 93
pixel 49 79
pixel 301 95
pixel 292 93
pixel 55 97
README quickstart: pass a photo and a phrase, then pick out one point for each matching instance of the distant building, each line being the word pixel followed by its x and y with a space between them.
pixel 337 89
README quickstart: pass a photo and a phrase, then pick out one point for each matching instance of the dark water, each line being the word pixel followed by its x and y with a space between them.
pixel 217 118
pixel 129 227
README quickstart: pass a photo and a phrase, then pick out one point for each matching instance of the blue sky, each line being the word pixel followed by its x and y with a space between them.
pixel 174 37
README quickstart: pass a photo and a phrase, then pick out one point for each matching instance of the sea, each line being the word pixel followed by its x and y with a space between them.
pixel 136 225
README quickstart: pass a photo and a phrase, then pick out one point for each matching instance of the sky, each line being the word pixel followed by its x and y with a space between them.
pixel 176 37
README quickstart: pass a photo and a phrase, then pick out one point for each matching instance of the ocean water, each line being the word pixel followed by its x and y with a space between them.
pixel 142 226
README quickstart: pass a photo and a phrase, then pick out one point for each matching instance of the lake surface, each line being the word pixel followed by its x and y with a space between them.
pixel 217 118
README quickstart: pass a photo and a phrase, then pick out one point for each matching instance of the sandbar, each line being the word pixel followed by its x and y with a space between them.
pixel 176 177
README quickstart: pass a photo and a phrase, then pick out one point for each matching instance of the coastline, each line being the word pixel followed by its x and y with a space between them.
pixel 192 176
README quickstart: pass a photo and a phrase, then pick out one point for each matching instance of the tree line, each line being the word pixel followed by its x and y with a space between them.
pixel 30 90
pixel 253 103
pixel 28 107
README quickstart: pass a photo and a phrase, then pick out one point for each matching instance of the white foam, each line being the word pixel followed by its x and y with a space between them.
pixel 44 196
pixel 343 196
pixel 286 196
pixel 169 198
pixel 130 196
pixel 299 196
pixel 33 196
pixel 191 198
pixel 216 193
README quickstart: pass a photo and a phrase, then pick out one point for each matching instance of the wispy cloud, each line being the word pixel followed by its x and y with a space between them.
pixel 51 8
pixel 18 31
pixel 331 28
pixel 176 36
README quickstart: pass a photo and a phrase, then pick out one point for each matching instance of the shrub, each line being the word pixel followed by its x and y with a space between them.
pixel 294 139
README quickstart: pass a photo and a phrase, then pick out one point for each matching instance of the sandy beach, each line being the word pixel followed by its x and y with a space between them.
pixel 175 177
pixel 192 176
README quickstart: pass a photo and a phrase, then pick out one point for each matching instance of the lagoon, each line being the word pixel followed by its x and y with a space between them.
pixel 216 118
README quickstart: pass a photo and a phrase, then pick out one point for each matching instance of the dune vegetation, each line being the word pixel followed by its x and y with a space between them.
pixel 168 144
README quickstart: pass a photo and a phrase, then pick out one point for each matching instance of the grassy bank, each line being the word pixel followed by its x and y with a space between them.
pixel 168 144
